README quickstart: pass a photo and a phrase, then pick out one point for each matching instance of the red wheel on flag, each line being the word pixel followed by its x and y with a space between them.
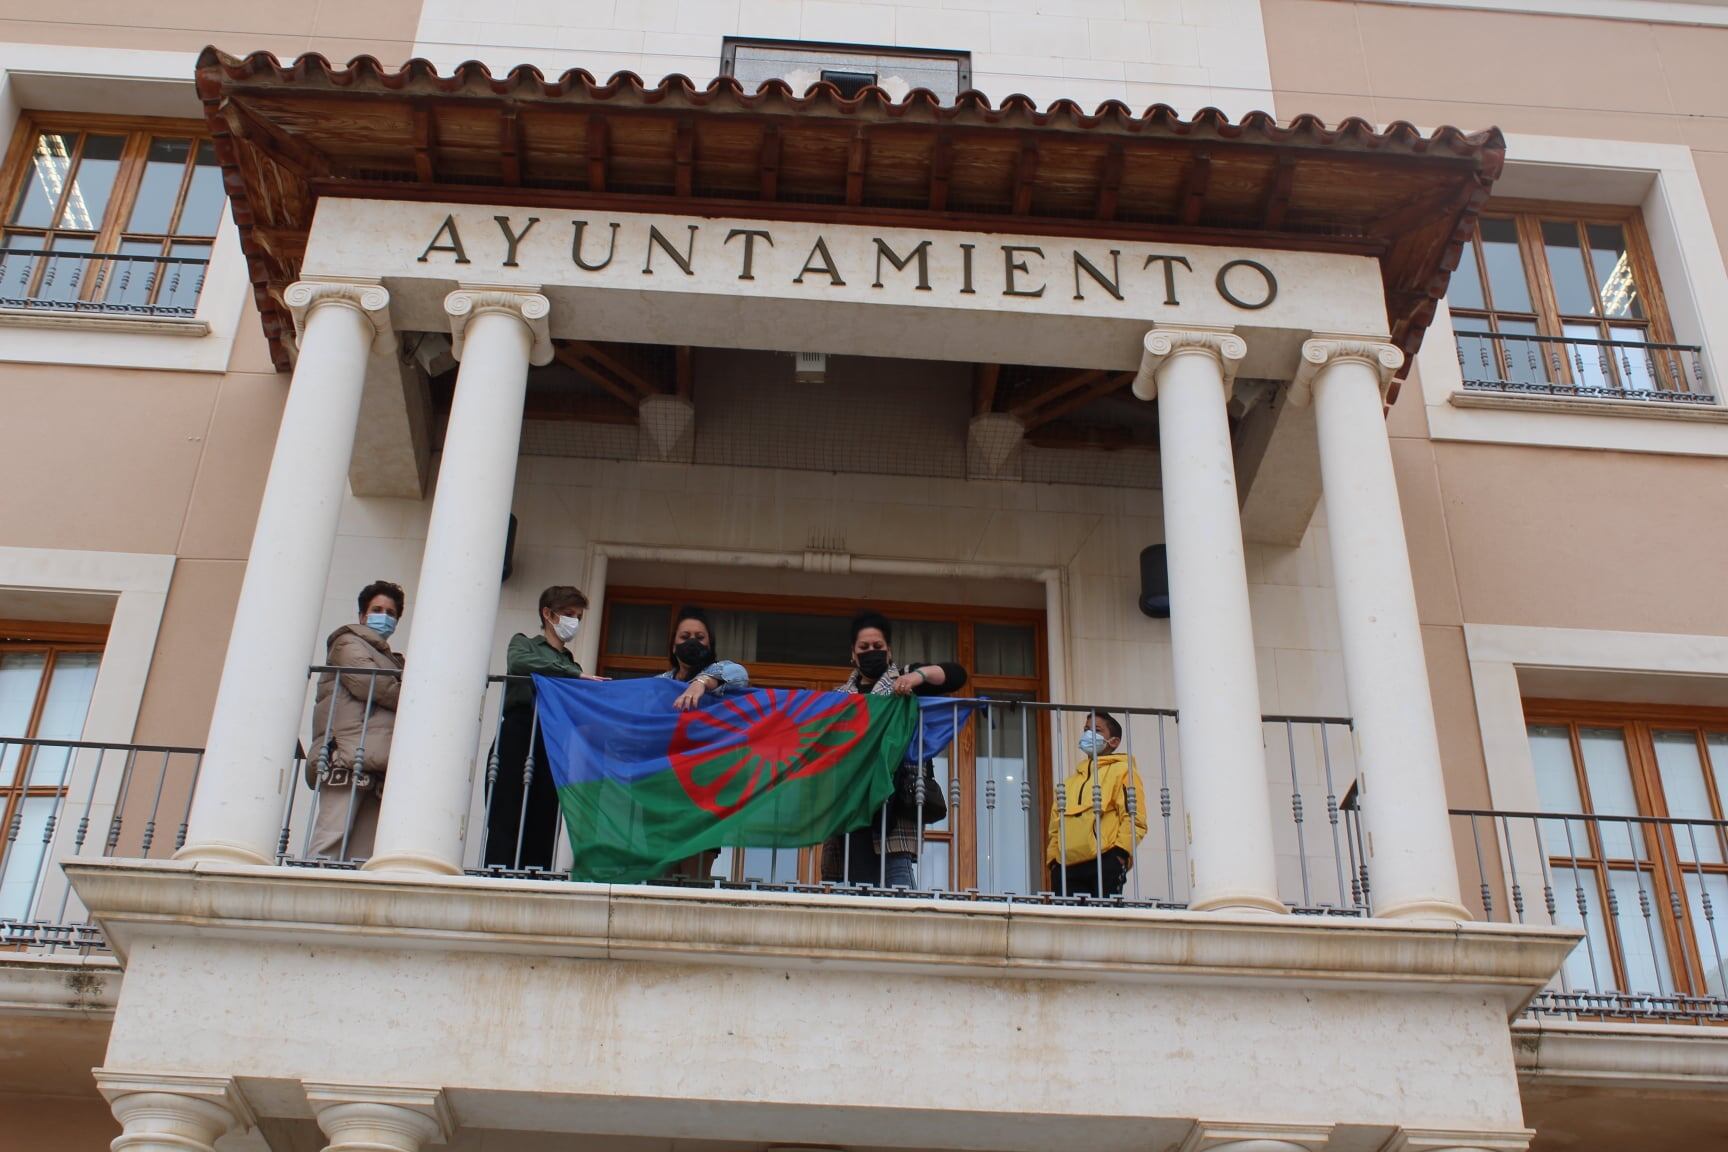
pixel 726 755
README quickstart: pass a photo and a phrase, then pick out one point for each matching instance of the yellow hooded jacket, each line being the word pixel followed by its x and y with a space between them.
pixel 1076 830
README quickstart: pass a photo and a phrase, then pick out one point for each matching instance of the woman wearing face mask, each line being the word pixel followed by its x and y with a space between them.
pixel 1088 818
pixel 691 660
pixel 548 654
pixel 353 718
pixel 856 858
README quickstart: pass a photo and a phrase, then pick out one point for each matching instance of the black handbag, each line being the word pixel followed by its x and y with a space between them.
pixel 906 793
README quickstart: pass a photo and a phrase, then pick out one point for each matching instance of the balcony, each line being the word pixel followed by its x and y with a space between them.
pixel 1583 367
pixel 763 966
pixel 102 283
pixel 1647 893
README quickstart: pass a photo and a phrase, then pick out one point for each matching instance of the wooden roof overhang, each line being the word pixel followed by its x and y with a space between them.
pixel 287 134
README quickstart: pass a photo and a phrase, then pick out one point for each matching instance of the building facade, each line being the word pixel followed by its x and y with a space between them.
pixel 1330 392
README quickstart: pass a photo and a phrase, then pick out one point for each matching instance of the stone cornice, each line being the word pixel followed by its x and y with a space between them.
pixel 80 987
pixel 133 900
pixel 1163 344
pixel 469 302
pixel 1325 350
pixel 371 300
pixel 1649 1057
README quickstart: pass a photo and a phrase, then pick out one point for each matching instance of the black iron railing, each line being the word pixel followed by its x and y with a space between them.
pixel 80 799
pixel 101 283
pixel 1649 894
pixel 1579 366
pixel 1006 795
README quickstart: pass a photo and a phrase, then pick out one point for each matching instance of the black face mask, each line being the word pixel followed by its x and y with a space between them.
pixel 694 654
pixel 873 663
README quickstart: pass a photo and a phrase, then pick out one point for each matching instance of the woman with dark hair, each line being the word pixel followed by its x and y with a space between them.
pixel 691 659
pixel 353 718
pixel 857 857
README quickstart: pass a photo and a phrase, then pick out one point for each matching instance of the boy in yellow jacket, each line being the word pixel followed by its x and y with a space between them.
pixel 1083 819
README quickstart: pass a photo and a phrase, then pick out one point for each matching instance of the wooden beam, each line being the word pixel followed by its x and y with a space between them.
pixel 984 380
pixel 572 359
pixel 596 152
pixel 857 157
pixel 615 366
pixel 1025 172
pixel 941 169
pixel 425 144
pixel 684 157
pixel 510 146
pixel 1194 189
pixel 265 135
pixel 683 372
pixel 1278 194
pixel 1111 383
pixel 1062 387
pixel 768 163
pixel 1110 182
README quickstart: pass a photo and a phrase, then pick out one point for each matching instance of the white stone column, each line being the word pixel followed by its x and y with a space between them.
pixel 496 335
pixel 237 811
pixel 1190 372
pixel 171 1113
pixel 1208 1136
pixel 371 1119
pixel 1412 871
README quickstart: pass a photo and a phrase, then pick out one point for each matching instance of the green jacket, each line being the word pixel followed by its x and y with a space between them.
pixel 528 655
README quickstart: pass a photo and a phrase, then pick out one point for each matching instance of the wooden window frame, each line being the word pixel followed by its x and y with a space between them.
pixel 1662 861
pixel 962 834
pixel 53 639
pixel 129 177
pixel 1550 321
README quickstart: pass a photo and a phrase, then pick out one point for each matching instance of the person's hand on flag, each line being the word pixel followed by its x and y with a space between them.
pixel 591 676
pixel 692 696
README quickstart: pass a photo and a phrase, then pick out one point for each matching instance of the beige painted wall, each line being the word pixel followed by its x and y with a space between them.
pixel 169 463
pixel 383 28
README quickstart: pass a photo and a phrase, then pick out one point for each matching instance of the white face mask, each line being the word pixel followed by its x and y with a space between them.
pixel 1091 743
pixel 564 627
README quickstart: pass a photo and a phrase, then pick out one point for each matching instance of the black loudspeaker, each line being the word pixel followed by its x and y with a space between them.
pixel 510 548
pixel 1155 582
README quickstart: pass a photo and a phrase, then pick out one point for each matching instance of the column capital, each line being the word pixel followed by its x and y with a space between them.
pixel 369 298
pixel 1215 1136
pixel 1326 349
pixel 1161 345
pixel 470 301
pixel 1458 1140
pixel 374 1116
pixel 187 1107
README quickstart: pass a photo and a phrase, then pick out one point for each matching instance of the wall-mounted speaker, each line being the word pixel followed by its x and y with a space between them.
pixel 509 548
pixel 1155 582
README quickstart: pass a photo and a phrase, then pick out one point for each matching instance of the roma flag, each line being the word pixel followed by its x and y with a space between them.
pixel 643 786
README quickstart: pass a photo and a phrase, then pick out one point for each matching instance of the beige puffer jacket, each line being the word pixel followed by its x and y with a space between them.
pixel 355 646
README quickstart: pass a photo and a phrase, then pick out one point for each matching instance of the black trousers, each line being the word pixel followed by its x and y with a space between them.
pixel 505 818
pixel 1083 877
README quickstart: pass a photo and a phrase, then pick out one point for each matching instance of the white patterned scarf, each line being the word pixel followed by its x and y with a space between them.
pixel 884 685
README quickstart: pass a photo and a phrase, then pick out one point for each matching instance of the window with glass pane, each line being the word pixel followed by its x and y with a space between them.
pixel 1549 297
pixel 45 691
pixel 1641 861
pixel 109 215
